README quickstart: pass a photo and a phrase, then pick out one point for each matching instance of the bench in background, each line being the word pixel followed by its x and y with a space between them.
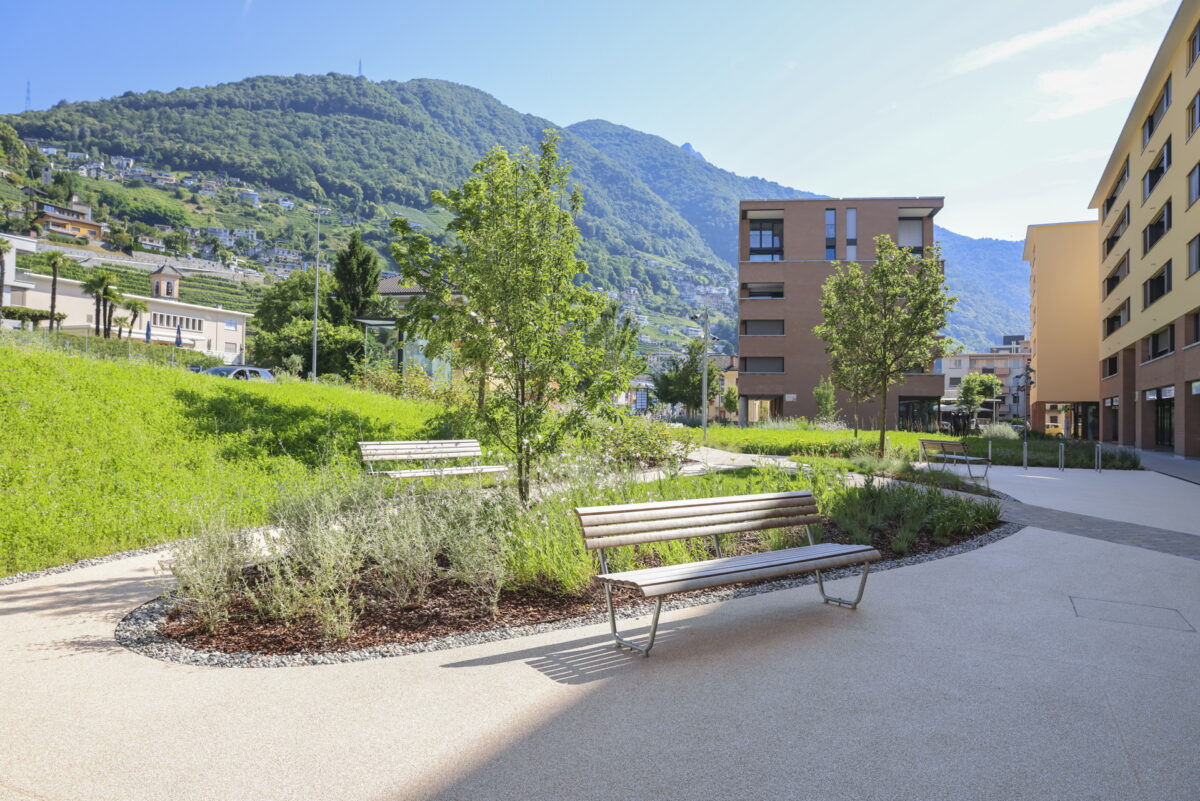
pixel 658 521
pixel 426 450
pixel 948 452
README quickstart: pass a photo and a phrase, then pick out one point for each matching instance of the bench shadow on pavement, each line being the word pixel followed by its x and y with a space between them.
pixel 584 660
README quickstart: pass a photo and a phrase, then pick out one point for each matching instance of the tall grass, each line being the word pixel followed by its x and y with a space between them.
pixel 103 456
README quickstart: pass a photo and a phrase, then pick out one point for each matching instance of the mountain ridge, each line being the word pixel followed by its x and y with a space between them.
pixel 658 220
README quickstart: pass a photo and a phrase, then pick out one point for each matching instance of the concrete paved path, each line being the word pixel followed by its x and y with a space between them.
pixel 1187 469
pixel 1046 665
pixel 1142 497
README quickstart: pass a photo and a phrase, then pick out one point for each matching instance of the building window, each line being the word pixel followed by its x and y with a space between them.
pixel 1192 327
pixel 1117 187
pixel 830 234
pixel 851 234
pixel 1193 111
pixel 1157 169
pixel 989 370
pixel 1157 228
pixel 955 380
pixel 1156 285
pixel 231 325
pixel 762 328
pixel 1117 319
pixel 1194 185
pixel 1194 255
pixel 1194 45
pixel 912 235
pixel 763 290
pixel 958 362
pixel 766 240
pixel 1108 367
pixel 762 364
pixel 1157 113
pixel 1117 275
pixel 1160 343
pixel 1115 233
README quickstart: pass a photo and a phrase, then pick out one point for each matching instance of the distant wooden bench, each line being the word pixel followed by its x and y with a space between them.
pixel 948 452
pixel 657 521
pixel 426 450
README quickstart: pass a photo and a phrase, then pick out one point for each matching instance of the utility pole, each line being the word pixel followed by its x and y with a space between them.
pixel 702 317
pixel 312 375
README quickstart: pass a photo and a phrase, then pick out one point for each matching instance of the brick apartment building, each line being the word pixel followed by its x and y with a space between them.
pixel 786 250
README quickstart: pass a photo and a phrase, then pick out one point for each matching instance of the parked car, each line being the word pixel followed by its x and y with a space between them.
pixel 241 373
pixel 1020 429
pixel 196 368
pixel 1053 430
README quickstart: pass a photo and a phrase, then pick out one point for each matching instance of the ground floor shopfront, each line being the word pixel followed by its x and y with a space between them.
pixel 1155 403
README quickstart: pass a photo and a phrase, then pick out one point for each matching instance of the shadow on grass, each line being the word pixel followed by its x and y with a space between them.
pixel 250 426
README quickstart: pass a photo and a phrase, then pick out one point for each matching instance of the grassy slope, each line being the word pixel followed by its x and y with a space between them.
pixel 97 457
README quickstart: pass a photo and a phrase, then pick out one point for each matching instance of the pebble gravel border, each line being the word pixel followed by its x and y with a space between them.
pixel 139 631
pixel 82 563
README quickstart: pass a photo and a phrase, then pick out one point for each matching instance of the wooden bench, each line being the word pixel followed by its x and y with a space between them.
pixel 426 450
pixel 950 452
pixel 657 521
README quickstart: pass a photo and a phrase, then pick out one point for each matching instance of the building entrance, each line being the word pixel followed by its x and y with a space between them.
pixel 1164 423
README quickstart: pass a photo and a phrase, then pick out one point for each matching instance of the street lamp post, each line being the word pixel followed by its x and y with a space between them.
pixel 702 317
pixel 312 375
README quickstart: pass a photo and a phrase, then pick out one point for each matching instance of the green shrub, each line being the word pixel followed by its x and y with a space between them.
pixel 998 431
pixel 634 441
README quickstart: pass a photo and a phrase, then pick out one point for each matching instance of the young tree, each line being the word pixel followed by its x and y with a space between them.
pixel 681 382
pixel 975 389
pixel 121 322
pixel 825 396
pixel 356 272
pixel 883 322
pixel 55 260
pixel 505 290
pixel 729 401
pixel 99 286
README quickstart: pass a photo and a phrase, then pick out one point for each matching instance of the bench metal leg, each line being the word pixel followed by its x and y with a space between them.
pixel 842 602
pixel 612 624
pixel 829 599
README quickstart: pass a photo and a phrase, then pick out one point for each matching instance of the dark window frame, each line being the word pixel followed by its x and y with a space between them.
pixel 1116 275
pixel 1157 228
pixel 1109 367
pixel 1156 348
pixel 1157 113
pixel 1116 232
pixel 1158 168
pixel 766 252
pixel 746 326
pixel 747 359
pixel 1156 286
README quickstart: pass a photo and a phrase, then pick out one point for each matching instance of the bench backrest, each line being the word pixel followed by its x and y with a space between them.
pixel 943 446
pixel 420 449
pixel 656 521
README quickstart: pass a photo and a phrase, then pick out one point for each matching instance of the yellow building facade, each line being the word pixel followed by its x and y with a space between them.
pixel 1063 308
pixel 1149 256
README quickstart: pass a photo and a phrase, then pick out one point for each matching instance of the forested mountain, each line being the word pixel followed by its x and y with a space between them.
pixel 657 216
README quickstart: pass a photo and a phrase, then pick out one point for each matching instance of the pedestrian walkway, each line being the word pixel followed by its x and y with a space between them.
pixel 1169 464
pixel 1050 664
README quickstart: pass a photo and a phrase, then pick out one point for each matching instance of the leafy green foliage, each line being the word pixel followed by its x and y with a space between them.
pixel 683 382
pixel 102 456
pixel 339 347
pixel 504 293
pixel 974 390
pixel 356 272
pixel 882 323
pixel 826 398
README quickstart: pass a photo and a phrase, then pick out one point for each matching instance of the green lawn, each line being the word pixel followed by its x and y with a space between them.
pixel 98 456
pixel 799 442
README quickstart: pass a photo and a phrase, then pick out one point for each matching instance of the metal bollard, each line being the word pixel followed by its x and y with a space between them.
pixel 1062 456
pixel 989 450
pixel 1099 458
pixel 1025 454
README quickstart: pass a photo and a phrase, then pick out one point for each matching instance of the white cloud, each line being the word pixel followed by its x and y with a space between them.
pixel 1095 18
pixel 1111 78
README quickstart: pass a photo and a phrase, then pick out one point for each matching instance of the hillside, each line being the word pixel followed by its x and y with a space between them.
pixel 100 456
pixel 659 221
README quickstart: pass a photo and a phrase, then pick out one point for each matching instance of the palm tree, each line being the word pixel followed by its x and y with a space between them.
pixel 121 323
pixel 100 286
pixel 136 309
pixel 55 261
pixel 5 249
pixel 112 299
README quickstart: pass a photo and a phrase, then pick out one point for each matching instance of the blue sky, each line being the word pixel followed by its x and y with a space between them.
pixel 1008 109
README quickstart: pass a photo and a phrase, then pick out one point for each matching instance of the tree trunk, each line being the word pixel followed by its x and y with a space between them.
pixel 53 293
pixel 3 278
pixel 481 390
pixel 883 422
pixel 97 314
pixel 110 307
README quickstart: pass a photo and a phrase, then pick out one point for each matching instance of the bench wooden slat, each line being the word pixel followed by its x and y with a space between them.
pixel 699 531
pixel 443 471
pixel 405 457
pixel 663 573
pixel 584 511
pixel 601 525
pixel 763 515
pixel 737 576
